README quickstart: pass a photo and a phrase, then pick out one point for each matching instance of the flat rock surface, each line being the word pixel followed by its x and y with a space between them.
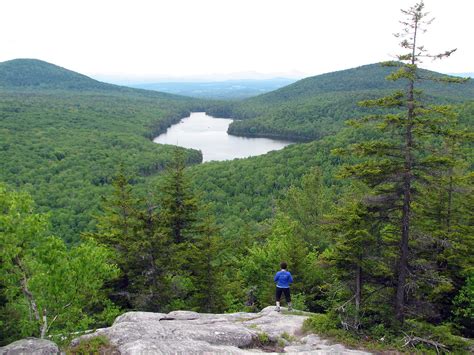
pixel 186 332
pixel 30 346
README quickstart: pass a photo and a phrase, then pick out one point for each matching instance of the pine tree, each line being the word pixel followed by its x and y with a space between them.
pixel 206 265
pixel 119 228
pixel 447 220
pixel 397 162
pixel 154 246
pixel 177 209
pixel 178 204
pixel 361 258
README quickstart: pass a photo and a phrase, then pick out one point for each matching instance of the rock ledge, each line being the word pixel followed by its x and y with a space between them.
pixel 187 332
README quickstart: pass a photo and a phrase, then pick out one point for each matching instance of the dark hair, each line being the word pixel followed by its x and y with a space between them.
pixel 283 265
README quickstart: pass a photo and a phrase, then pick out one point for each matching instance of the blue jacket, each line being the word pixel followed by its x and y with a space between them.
pixel 283 279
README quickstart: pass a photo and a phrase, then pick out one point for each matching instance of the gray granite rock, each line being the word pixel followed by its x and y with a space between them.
pixel 30 346
pixel 185 332
pixel 313 344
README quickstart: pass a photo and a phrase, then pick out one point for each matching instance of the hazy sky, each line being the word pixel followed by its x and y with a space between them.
pixel 203 38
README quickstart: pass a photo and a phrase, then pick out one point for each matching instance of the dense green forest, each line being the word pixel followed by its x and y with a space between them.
pixel 63 136
pixel 318 106
pixel 373 217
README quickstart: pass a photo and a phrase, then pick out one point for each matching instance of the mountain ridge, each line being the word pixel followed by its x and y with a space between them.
pixel 317 106
pixel 26 74
pixel 30 72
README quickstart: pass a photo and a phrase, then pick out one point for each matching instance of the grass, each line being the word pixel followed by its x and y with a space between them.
pixel 288 337
pixel 96 345
pixel 298 313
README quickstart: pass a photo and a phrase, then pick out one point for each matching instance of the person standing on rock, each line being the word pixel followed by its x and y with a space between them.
pixel 283 280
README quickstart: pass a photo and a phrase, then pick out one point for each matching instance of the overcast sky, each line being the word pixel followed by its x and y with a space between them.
pixel 140 39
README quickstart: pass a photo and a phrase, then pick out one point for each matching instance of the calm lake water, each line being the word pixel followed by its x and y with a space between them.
pixel 209 135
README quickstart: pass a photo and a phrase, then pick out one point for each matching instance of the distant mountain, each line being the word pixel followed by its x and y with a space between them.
pixel 34 73
pixel 317 106
pixel 463 75
pixel 370 77
pixel 66 134
pixel 229 89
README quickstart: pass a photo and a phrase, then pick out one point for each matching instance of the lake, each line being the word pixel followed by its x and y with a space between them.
pixel 209 135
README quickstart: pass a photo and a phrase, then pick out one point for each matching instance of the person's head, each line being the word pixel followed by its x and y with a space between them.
pixel 283 265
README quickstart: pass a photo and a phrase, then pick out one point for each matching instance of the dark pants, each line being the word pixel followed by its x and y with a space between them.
pixel 285 291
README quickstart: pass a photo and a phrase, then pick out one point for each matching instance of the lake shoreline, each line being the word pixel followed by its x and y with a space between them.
pixel 210 135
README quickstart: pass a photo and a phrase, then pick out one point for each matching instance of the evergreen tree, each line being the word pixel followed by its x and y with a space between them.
pixel 154 247
pixel 448 231
pixel 119 228
pixel 177 208
pixel 206 265
pixel 361 257
pixel 398 162
pixel 178 204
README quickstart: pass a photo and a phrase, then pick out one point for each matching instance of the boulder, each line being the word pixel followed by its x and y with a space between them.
pixel 30 346
pixel 186 332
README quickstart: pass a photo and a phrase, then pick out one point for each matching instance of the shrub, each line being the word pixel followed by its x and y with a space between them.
pixel 428 335
pixel 263 338
pixel 299 302
pixel 96 345
pixel 320 323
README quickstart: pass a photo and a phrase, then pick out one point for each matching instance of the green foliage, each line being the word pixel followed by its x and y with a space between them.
pixel 415 336
pixel 167 246
pixel 305 206
pixel 178 204
pixel 64 145
pixel 47 288
pixel 205 256
pixel 287 336
pixel 263 338
pixel 397 166
pixel 442 334
pixel 320 323
pixel 95 345
pixel 464 307
pixel 317 106
pixel 298 301
pixel 262 261
pixel 245 191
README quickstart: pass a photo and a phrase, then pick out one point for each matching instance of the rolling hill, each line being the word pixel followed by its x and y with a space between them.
pixel 34 76
pixel 64 135
pixel 63 140
pixel 314 107
pixel 34 73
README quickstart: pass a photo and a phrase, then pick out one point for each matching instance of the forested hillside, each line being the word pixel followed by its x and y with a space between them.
pixel 373 217
pixel 37 74
pixel 64 135
pixel 318 106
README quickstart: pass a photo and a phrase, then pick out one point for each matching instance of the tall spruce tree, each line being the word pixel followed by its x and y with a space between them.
pixel 119 227
pixel 204 257
pixel 399 160
pixel 178 203
pixel 353 256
